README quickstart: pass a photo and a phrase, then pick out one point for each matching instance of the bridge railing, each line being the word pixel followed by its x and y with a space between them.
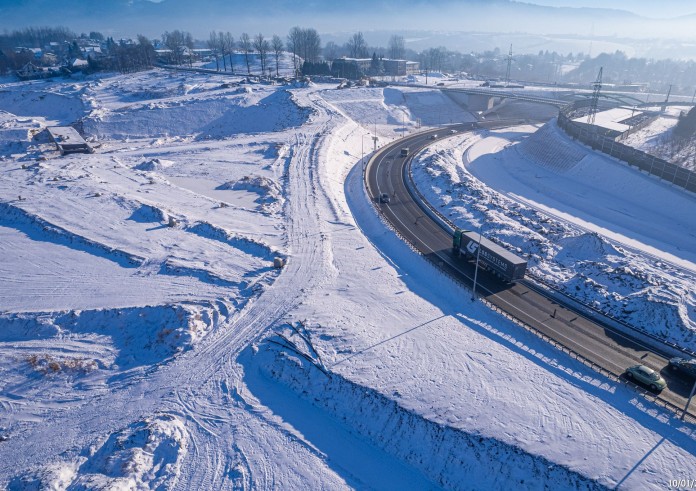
pixel 656 166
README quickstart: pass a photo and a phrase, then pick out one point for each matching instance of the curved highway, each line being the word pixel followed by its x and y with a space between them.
pixel 598 343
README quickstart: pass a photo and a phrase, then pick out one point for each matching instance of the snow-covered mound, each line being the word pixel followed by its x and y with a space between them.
pixel 34 100
pixel 446 456
pixel 267 188
pixel 535 211
pixel 659 138
pixel 544 148
pixel 120 338
pixel 268 191
pixel 250 246
pixel 146 454
pixel 205 116
pixel 148 214
pixel 397 106
pixel 154 165
pixel 585 247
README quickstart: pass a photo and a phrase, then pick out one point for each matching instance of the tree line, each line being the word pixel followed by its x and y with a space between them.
pixel 309 57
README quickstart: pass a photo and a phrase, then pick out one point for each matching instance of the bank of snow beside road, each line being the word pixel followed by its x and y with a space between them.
pixel 388 321
pixel 614 238
pixel 184 372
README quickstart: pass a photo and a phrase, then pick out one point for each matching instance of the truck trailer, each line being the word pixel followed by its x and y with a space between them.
pixel 492 257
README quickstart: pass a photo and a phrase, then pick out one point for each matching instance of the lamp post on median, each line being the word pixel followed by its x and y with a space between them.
pixel 362 149
pixel 691 395
pixel 478 254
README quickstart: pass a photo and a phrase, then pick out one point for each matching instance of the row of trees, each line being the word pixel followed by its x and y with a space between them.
pixel 125 57
pixel 619 68
pixel 304 44
pixel 223 45
pixel 36 37
pixel 305 47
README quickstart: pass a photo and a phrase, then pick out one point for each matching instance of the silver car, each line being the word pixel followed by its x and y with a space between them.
pixel 647 376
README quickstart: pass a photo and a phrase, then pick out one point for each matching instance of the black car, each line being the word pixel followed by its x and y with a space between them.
pixel 384 198
pixel 684 366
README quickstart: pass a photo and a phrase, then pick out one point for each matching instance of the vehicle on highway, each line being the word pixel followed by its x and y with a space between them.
pixel 432 137
pixel 452 132
pixel 404 152
pixel 647 376
pixel 492 257
pixel 384 198
pixel 684 366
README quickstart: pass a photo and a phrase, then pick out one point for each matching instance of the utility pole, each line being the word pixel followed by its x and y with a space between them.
pixel 686 408
pixel 507 74
pixel 597 86
pixel 374 138
pixel 664 105
pixel 478 254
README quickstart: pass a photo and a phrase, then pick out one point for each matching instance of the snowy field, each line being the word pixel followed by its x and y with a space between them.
pixel 148 342
pixel 581 219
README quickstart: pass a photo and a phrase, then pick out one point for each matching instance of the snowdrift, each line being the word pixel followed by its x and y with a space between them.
pixel 146 454
pixel 533 208
pixel 449 457
pixel 204 117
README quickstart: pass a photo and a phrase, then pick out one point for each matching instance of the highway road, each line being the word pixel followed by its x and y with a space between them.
pixel 596 342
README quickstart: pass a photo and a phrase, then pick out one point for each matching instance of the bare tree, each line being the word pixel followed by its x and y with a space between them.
pixel 357 47
pixel 214 45
pixel 262 47
pixel 397 47
pixel 294 42
pixel 311 45
pixel 245 46
pixel 146 51
pixel 277 48
pixel 227 49
pixel 331 50
pixel 188 42
pixel 305 45
pixel 177 42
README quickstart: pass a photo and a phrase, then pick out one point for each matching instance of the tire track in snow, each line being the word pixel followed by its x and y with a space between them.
pixel 305 250
pixel 197 373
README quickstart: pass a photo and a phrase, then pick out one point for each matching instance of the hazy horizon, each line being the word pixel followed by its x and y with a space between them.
pixel 533 25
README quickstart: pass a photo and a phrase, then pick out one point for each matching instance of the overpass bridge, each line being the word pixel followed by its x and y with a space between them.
pixel 484 99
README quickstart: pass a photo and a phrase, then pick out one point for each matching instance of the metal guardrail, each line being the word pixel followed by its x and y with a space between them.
pixel 442 220
pixel 660 345
pixel 656 166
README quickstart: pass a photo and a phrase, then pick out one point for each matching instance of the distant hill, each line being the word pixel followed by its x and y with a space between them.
pixel 129 17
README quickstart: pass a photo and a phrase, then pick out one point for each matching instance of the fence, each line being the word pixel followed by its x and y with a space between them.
pixel 667 171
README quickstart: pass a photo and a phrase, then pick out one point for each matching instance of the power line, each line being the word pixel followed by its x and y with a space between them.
pixel 507 75
pixel 597 86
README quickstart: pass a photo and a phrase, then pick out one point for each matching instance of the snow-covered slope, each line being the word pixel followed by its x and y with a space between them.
pixel 601 231
pixel 146 339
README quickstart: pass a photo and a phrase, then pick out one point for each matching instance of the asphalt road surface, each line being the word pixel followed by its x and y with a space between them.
pixel 597 342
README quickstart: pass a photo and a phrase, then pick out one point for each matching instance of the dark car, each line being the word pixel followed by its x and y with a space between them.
pixel 684 366
pixel 384 198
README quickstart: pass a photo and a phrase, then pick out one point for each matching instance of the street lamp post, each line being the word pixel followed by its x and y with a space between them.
pixel 362 149
pixel 478 254
pixel 686 408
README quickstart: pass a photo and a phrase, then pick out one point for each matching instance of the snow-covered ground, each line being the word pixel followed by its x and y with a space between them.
pixel 147 341
pixel 612 237
pixel 657 139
